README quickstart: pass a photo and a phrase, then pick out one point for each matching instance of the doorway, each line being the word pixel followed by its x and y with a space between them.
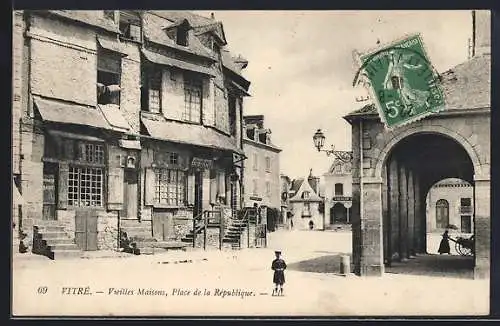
pixel 198 193
pixel 50 180
pixel 86 229
pixel 130 188
pixel 339 213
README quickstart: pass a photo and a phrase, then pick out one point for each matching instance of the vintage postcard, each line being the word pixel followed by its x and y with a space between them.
pixel 246 163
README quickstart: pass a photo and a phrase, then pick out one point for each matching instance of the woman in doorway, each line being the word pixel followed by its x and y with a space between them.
pixel 444 245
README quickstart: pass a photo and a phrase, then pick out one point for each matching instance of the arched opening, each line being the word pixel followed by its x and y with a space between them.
pixel 442 214
pixel 339 213
pixel 413 166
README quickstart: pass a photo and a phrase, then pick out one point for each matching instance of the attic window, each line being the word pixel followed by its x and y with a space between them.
pixel 182 36
pixel 305 195
pixel 130 25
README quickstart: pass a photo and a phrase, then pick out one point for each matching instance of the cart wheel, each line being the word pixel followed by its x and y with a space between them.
pixel 466 251
pixel 457 248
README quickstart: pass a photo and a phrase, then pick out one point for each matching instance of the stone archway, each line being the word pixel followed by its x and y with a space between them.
pixel 408 164
pixel 339 213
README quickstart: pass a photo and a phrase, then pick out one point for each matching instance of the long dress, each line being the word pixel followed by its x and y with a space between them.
pixel 278 267
pixel 444 245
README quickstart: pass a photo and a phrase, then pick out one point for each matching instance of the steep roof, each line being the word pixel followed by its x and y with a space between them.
pixel 465 86
pixel 154 25
pixel 200 25
pixel 301 187
pixel 88 17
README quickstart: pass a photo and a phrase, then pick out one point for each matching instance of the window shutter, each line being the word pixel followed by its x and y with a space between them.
pixel 115 189
pixel 63 186
pixel 150 187
pixel 190 189
pixel 221 182
pixel 213 189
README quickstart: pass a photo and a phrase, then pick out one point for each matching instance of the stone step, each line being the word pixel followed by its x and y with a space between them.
pixel 53 235
pixel 187 240
pixel 134 223
pixel 55 241
pixel 61 254
pixel 63 246
pixel 50 228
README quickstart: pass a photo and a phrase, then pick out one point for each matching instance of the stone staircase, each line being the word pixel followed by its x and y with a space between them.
pixel 140 232
pixel 233 232
pixel 50 239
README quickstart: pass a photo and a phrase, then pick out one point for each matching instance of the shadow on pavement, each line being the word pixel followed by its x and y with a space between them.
pixel 435 265
pixel 323 264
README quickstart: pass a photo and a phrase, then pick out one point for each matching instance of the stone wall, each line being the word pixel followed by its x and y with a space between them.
pixel 107 230
pixel 212 239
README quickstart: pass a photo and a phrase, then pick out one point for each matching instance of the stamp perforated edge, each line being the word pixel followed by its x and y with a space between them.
pixel 367 85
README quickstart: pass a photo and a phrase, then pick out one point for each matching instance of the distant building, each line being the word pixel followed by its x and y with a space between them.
pixel 450 206
pixel 261 178
pixel 338 190
pixel 306 203
pixel 285 185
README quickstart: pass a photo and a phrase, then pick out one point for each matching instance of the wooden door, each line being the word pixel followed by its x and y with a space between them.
pixel 49 191
pixel 130 188
pixel 163 225
pixel 86 229
pixel 198 194
pixel 442 214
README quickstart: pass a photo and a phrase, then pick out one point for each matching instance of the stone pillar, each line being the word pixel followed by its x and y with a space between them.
pixel 419 235
pixel 386 220
pixel 482 227
pixel 328 203
pixel 393 204
pixel 372 258
pixel 356 226
pixel 411 215
pixel 403 211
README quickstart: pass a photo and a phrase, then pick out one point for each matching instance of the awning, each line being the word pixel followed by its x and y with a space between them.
pixel 72 135
pixel 105 116
pixel 240 88
pixel 114 116
pixel 189 134
pixel 72 113
pixel 167 61
pixel 110 45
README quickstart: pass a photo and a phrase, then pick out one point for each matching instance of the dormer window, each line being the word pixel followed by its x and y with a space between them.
pixel 182 36
pixel 130 25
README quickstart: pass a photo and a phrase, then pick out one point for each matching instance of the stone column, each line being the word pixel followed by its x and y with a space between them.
pixel 419 236
pixel 482 227
pixel 328 204
pixel 393 204
pixel 403 212
pixel 411 215
pixel 372 258
pixel 386 217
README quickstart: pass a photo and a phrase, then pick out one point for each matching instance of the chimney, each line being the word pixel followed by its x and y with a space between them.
pixel 241 62
pixel 481 33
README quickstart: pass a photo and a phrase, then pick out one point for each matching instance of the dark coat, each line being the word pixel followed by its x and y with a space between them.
pixel 278 267
pixel 444 245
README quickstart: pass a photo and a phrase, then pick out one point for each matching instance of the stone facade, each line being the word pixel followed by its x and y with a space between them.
pixel 55 58
pixel 306 204
pixel 394 169
pixel 262 166
pixel 453 199
pixel 338 191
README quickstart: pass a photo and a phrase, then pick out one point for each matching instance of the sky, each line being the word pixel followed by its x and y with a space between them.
pixel 301 68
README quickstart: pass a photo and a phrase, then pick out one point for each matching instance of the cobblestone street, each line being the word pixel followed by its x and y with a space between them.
pixel 312 285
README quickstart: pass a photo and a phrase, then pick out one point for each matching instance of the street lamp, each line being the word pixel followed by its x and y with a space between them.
pixel 319 142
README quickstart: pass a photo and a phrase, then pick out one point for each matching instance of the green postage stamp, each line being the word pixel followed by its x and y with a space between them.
pixel 403 83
